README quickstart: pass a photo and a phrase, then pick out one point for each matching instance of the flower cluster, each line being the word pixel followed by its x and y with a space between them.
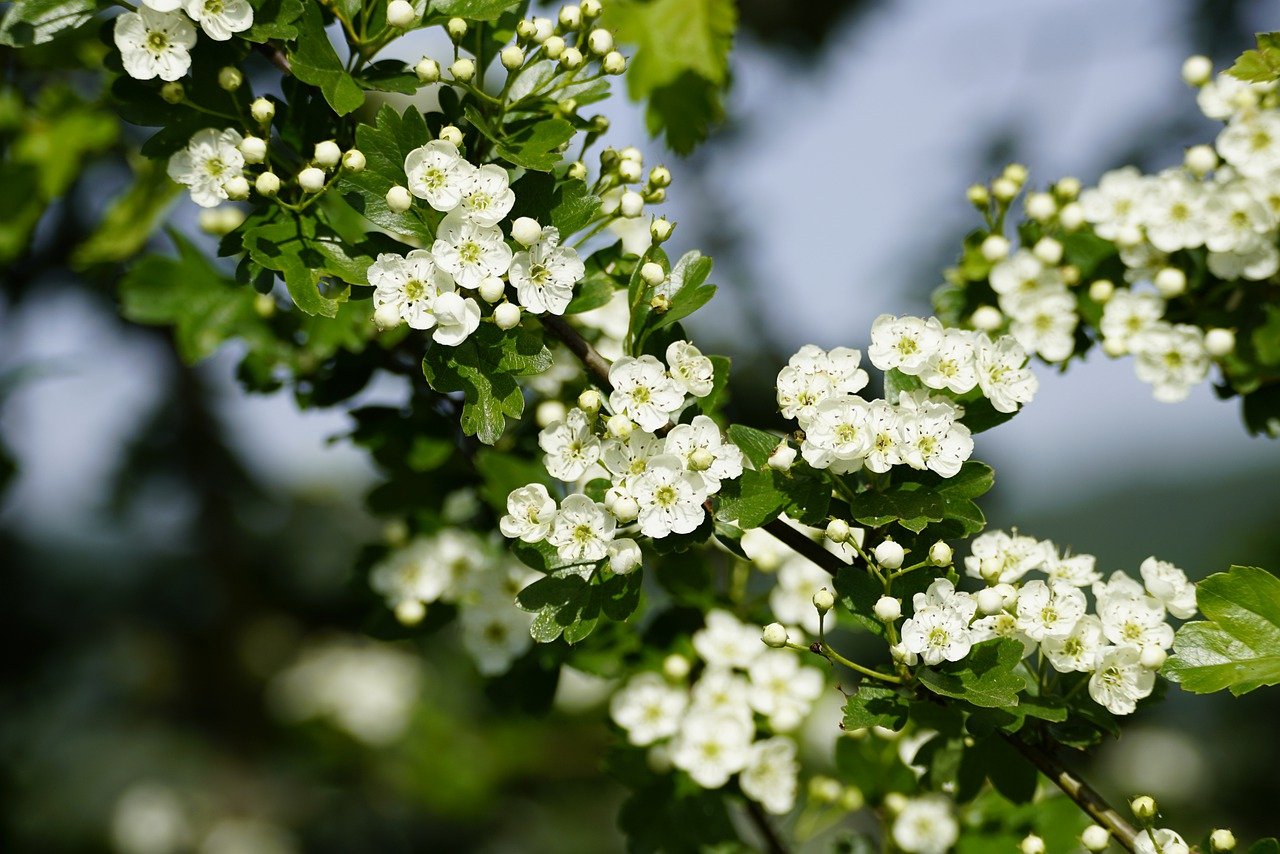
pixel 156 40
pixel 458 567
pixel 732 719
pixel 1120 645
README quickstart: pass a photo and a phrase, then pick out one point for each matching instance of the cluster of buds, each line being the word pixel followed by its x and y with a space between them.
pixel 570 39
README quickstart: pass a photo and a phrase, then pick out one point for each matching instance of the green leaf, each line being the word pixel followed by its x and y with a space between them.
pixel 871 705
pixel 985 677
pixel 918 499
pixel 385 144
pixel 1266 337
pixel 535 145
pixel 314 61
pixel 565 203
pixel 485 368
pixel 1265 846
pixel 562 603
pixel 687 288
pixel 758 497
pixel 1238 647
pixel 303 252
pixel 1261 65
pixel 130 219
pixel 389 75
pixel 32 22
pixel 504 473
pixel 756 445
pixel 274 19
pixel 471 10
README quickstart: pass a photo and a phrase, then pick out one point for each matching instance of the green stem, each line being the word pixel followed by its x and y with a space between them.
pixel 830 654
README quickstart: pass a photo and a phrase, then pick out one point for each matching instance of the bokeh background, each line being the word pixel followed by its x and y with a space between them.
pixel 183 628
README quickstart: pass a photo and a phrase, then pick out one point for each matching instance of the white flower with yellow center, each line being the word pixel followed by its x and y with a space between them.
pixel 1003 374
pixel 670 498
pixel 1119 680
pixel 839 435
pixel 711 748
pixel 703 450
pixel 926 825
pixel 1169 584
pixel 570 445
pixel 530 512
pixel 937 634
pixel 408 285
pixel 782 690
pixel 211 159
pixel 154 43
pixel 770 775
pixel 221 19
pixel 1126 314
pixel 1172 358
pixel 582 530
pixel 438 173
pixel 727 642
pixel 545 274
pixel 648 708
pixel 487 197
pixel 469 252
pixel 904 343
pixel 690 370
pixel 952 366
pixel 643 391
pixel 1049 611
pixel 1077 652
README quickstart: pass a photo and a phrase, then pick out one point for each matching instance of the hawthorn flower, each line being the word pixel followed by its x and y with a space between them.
pixel 629 459
pixel 1116 203
pixel 470 252
pixel 782 690
pixel 937 634
pixel 884 427
pixel 643 392
pixel 1049 611
pixel 701 448
pixel 726 642
pixel 1077 652
pixel 487 196
pixel 409 284
pixel 1076 570
pixel 925 825
pixel 1003 374
pixel 624 556
pixel 1020 278
pixel 1136 621
pixel 1170 357
pixel 1127 314
pixel 791 599
pixel 428 568
pixel 220 19
pixel 1044 323
pixel 1236 219
pixel 770 775
pixel 570 445
pixel 530 512
pixel 545 274
pixel 941 593
pixel 838 436
pixel 648 708
pixel 154 43
pixel 670 498
pixel 438 173
pixel 1119 680
pixel 1251 143
pixel 1119 586
pixel 582 530
pixel 813 374
pixel 721 692
pixel 712 748
pixel 1172 212
pixel 904 343
pixel 210 160
pixel 952 366
pixel 495 634
pixel 1002 558
pixel 691 371
pixel 1159 841
pixel 456 318
pixel 930 438
pixel 1170 586
pixel 1001 625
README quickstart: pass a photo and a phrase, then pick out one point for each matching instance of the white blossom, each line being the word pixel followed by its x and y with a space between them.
pixel 1127 314
pixel 998 557
pixel 926 825
pixel 670 498
pixel 782 690
pixel 1136 621
pixel 712 748
pixel 470 252
pixel 953 365
pixel 456 318
pixel 570 445
pixel 1003 374
pixel 838 436
pixel 221 19
pixel 1170 357
pixel 438 173
pixel 1078 651
pixel 154 43
pixel 210 159
pixel 629 459
pixel 648 708
pixel 643 391
pixel 530 512
pixel 1049 610
pixel 703 435
pixel 1119 680
pixel 770 775
pixel 726 642
pixel 1170 586
pixel 904 343
pixel 937 634
pixel 409 284
pixel 487 197
pixel 692 372
pixel 545 275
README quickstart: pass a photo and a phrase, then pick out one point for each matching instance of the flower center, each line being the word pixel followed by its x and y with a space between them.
pixel 213 7
pixel 470 252
pixel 665 496
pixel 640 394
pixel 157 41
pixel 214 166
pixel 939 637
pixel 414 290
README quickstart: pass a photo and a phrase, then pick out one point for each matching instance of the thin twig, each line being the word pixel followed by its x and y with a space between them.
pixel 275 56
pixel 772 841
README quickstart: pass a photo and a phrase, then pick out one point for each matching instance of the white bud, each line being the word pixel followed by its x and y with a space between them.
pixel 895 802
pixel 173 92
pixel 978 196
pixel 631 153
pixel 987 318
pixel 1067 188
pixel 890 555
pixel 775 635
pixel 507 316
pixel 571 58
pixel 1101 290
pixel 549 412
pixel 456 27
pixel 1128 236
pixel 1048 250
pixel 1222 840
pixel 887 609
pixel 570 17
pixel 450 134
pixel 613 63
pixel 1016 173
pixel 838 531
pixel 428 70
pixel 652 273
pixel 1144 807
pixel 398 199
pixel 542 29
pixel 1201 159
pixel 940 554
pixel 463 69
pixel 327 153
pixel 577 171
pixel 230 78
pixel 591 9
pixel 492 289
pixel 1071 216
pixel 990 601
pixel 782 457
pixel 512 57
pixel 262 110
pixel 311 179
pixel 353 160
pixel 1171 282
pixel 676 667
pixel 268 184
pixel 400 14
pixel 902 655
pixel 386 317
pixel 701 460
pixel 553 47
pixel 237 188
pixel 590 401
pixel 1031 844
pixel 625 508
pixel 660 176
pixel 629 171
pixel 660 229
pixel 1004 189
pixel 620 426
pixel 254 149
pixel 411 611
pixel 631 205
pixel 526 231
pixel 995 248
pixel 624 556
pixel 1114 347
pixel 1095 838
pixel 1197 70
pixel 1153 657
pixel 600 42
pixel 824 600
pixel 1041 206
pixel 1219 342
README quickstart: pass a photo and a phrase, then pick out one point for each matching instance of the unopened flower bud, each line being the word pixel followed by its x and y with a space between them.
pixel 990 601
pixel 1067 188
pixel 986 318
pixel 652 273
pixel 1101 290
pixel 1016 173
pixel 457 28
pixel 940 554
pixel 254 149
pixel 590 401
pixel 1170 282
pixel 311 179
pixel 676 667
pixel 571 58
pixel 852 799
pixel 1144 807
pixel 660 176
pixel 267 184
pixel 553 47
pixel 353 160
pixel 549 412
pixel 507 316
pixel 1222 840
pixel 613 63
pixel 327 153
pixel 620 426
pixel 825 790
pixel 173 92
pixel 1095 838
pixel 888 609
pixel 1048 250
pixel 1197 70
pixel 1070 274
pixel 978 196
pixel 1004 189
pixel 262 110
pixel 451 135
pixel 1219 342
pixel 492 289
pixel 1071 217
pixel 631 204
pixel 782 457
pixel 577 171
pixel 570 17
pixel 230 78
pixel 775 635
pixel 701 460
pixel 1201 159
pixel 995 247
pixel 591 9
pixel 824 600
pixel 902 655
pixel 463 69
pixel 386 317
pixel 410 612
pixel 660 229
pixel 512 57
pixel 838 531
pixel 1031 844
pixel 526 231
pixel 428 70
pixel 889 554
pixel 237 188
pixel 1041 206
pixel 629 171
pixel 1153 657
pixel 400 14
pixel 398 199
pixel 625 508
pixel 895 802
pixel 600 42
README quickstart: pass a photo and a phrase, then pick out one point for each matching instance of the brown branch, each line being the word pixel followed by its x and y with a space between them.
pixel 275 56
